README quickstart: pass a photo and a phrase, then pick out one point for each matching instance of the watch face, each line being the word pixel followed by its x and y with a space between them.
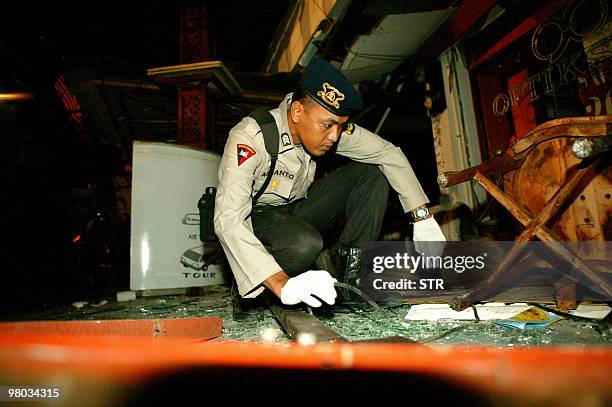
pixel 421 212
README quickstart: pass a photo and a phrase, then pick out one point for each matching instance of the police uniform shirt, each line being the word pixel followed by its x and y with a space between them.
pixel 243 170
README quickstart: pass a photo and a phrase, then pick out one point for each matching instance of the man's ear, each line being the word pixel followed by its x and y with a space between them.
pixel 296 111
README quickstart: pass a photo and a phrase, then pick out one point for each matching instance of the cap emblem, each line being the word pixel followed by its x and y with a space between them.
pixel 331 95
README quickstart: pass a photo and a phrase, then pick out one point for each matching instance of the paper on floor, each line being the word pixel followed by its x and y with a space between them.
pixel 597 311
pixel 486 312
pixel 492 311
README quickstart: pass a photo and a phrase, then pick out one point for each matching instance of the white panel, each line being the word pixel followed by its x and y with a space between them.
pixel 167 182
pixel 459 135
pixel 390 43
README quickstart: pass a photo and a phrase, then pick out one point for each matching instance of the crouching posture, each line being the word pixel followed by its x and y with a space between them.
pixel 273 243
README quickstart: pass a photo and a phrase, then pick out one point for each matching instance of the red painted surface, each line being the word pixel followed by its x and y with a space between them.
pixel 71 104
pixel 194 38
pixel 496 64
pixel 192 117
pixel 450 32
pixel 193 328
pixel 595 90
pixel 194 47
pixel 523 113
pixel 549 9
pixel 532 372
pixel 494 131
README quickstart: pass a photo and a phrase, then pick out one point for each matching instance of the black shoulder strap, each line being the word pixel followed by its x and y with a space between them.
pixel 270 133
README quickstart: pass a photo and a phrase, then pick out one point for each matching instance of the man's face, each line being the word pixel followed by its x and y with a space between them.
pixel 314 127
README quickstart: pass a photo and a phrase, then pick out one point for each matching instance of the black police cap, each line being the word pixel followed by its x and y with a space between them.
pixel 329 87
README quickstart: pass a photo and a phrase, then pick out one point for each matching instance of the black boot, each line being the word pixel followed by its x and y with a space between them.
pixel 349 266
pixel 349 272
pixel 328 260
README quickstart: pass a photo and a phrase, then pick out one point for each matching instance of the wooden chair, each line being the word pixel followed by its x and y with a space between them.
pixel 557 183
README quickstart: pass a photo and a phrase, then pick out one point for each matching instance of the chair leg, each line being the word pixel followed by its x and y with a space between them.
pixel 534 227
pixel 565 294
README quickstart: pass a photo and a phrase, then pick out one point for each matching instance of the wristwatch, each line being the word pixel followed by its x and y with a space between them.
pixel 420 213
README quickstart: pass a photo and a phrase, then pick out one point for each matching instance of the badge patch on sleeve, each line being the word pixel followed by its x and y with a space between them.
pixel 244 153
pixel 286 140
pixel 350 128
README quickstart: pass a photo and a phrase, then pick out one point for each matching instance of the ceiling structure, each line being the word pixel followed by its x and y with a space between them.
pixel 120 40
pixel 391 42
pixel 146 34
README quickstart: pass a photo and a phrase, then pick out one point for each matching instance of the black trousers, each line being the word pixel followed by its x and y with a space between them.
pixel 291 233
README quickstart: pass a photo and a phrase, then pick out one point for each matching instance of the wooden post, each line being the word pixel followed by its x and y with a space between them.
pixel 192 116
pixel 194 47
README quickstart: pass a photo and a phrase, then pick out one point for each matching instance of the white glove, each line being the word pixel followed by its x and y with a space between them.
pixel 428 230
pixel 301 289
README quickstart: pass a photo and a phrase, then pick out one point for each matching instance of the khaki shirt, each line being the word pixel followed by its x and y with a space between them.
pixel 243 170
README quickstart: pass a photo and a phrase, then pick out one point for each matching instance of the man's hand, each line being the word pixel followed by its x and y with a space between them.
pixel 302 288
pixel 428 237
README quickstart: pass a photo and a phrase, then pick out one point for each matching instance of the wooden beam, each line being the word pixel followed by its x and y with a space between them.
pixel 203 328
pixel 512 158
pixel 297 322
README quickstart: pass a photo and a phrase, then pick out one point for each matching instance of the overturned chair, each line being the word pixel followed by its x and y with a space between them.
pixel 558 185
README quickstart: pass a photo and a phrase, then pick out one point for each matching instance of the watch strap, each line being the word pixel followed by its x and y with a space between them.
pixel 415 218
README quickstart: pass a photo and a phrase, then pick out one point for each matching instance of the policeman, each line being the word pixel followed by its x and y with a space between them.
pixel 274 244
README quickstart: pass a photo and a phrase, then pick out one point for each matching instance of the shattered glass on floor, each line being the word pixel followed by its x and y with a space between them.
pixel 353 323
pixel 364 325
